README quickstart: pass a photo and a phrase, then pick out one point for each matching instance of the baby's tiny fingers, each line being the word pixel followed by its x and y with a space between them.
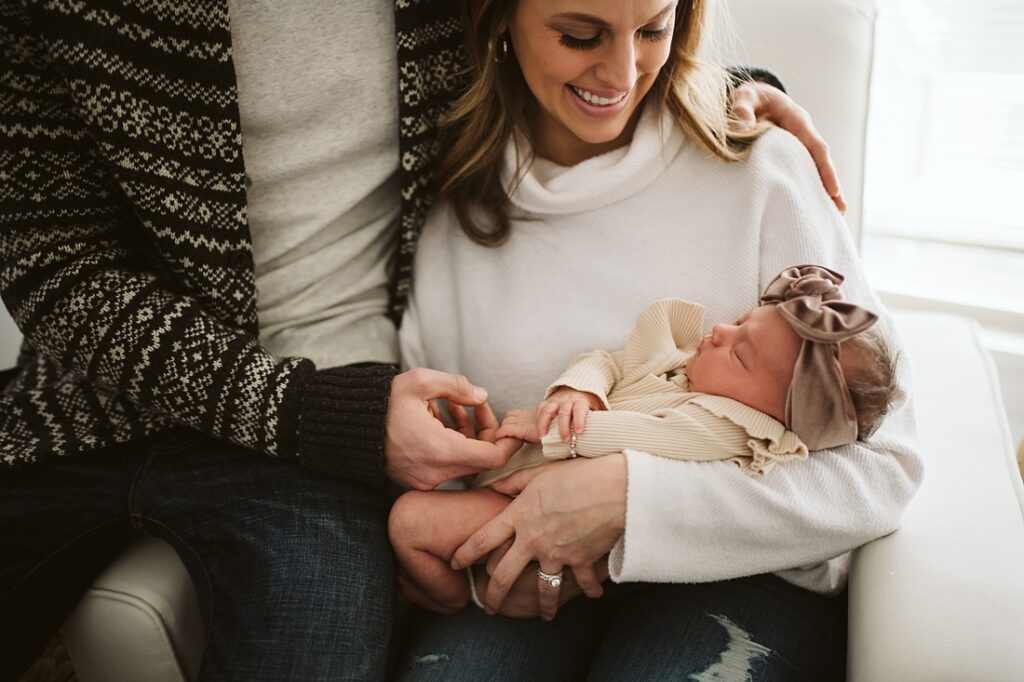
pixel 564 419
pixel 545 413
pixel 579 415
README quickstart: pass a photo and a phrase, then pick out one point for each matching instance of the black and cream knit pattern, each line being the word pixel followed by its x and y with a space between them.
pixel 126 254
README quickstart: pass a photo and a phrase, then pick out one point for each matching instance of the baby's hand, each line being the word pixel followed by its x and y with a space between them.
pixel 521 424
pixel 571 406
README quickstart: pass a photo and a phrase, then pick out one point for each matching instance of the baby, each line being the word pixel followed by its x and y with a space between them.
pixel 801 371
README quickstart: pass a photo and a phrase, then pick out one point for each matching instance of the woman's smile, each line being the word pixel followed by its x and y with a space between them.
pixel 589 66
pixel 599 103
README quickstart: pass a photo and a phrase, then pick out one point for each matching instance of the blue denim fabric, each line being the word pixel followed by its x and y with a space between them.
pixel 758 628
pixel 293 569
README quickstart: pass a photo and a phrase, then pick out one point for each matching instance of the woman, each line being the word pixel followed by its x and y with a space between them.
pixel 591 149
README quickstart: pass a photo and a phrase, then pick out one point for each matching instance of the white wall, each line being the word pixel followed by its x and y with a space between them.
pixel 1011 379
pixel 10 339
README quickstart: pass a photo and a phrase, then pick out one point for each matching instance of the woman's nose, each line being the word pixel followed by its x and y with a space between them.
pixel 618 69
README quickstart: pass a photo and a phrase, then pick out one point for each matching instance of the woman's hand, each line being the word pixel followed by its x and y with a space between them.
pixel 752 100
pixel 571 406
pixel 567 514
pixel 522 601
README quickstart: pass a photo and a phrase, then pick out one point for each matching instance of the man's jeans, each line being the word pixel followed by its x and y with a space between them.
pixel 758 629
pixel 293 569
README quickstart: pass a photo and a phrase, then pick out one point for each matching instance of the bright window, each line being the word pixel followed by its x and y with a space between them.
pixel 944 187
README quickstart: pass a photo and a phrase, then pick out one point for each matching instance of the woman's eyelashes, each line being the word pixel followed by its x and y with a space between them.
pixel 650 35
pixel 580 43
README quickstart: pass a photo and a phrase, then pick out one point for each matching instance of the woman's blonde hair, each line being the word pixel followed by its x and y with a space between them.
pixel 483 119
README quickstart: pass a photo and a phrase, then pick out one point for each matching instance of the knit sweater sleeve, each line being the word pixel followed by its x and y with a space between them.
pixel 687 433
pixel 98 306
pixel 694 522
pixel 595 372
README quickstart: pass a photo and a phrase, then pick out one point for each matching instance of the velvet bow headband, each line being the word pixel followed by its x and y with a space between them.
pixel 819 408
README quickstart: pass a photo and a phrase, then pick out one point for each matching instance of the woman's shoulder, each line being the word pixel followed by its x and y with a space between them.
pixel 778 154
pixel 776 158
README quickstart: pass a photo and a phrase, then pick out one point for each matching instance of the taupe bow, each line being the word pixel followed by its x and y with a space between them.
pixel 819 408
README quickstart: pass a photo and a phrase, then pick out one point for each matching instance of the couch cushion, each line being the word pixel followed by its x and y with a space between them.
pixel 139 621
pixel 943 598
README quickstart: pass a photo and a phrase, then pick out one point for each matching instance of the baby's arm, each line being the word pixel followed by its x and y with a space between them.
pixel 677 433
pixel 426 528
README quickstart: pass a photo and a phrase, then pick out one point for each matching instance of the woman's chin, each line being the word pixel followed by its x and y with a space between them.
pixel 600 135
pixel 595 141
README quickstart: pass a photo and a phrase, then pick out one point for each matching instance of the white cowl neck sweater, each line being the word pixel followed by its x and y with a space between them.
pixel 590 247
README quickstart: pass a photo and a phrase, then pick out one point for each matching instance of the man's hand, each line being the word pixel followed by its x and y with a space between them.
pixel 752 101
pixel 420 451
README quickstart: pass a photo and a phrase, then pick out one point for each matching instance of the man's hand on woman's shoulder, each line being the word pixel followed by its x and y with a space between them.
pixel 752 101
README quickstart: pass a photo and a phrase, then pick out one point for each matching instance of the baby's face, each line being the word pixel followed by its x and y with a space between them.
pixel 751 361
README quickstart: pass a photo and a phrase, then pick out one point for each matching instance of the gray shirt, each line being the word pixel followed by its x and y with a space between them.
pixel 318 98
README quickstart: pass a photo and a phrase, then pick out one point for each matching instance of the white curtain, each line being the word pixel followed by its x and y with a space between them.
pixel 944 187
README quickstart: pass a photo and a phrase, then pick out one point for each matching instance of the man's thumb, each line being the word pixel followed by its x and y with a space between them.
pixel 455 388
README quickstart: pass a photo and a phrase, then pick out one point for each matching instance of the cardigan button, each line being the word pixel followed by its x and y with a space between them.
pixel 240 260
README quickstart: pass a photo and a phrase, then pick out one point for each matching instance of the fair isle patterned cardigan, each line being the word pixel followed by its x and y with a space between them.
pixel 126 253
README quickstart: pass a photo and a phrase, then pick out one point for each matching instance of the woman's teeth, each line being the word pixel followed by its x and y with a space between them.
pixel 591 98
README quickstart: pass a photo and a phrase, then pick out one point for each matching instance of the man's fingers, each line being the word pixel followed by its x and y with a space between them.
pixel 463 423
pixel 778 107
pixel 743 113
pixel 486 538
pixel 586 578
pixel 840 201
pixel 431 384
pixel 744 102
pixel 435 411
pixel 469 454
pixel 485 419
pixel 547 592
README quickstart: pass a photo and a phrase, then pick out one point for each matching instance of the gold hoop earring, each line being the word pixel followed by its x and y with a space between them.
pixel 501 53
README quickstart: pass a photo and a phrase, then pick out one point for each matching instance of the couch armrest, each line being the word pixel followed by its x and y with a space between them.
pixel 943 597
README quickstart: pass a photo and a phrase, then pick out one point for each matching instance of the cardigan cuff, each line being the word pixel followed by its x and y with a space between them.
pixel 342 416
pixel 741 74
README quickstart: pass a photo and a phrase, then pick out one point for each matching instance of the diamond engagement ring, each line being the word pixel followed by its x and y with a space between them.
pixel 572 447
pixel 552 579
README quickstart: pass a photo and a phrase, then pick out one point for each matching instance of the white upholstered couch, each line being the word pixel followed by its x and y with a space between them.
pixel 941 599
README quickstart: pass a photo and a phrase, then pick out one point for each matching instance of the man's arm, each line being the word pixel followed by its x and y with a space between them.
pixel 758 93
pixel 87 301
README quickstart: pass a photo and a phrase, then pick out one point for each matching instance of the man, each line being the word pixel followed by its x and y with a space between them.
pixel 162 163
